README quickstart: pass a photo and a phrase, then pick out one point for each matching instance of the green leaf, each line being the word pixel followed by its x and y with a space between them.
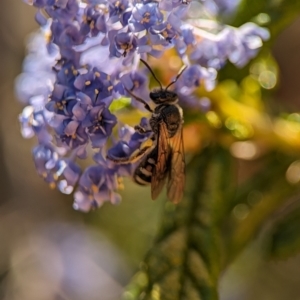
pixel 120 103
pixel 185 261
pixel 284 239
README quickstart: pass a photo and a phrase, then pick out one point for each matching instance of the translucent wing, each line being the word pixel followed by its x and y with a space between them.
pixel 162 166
pixel 176 180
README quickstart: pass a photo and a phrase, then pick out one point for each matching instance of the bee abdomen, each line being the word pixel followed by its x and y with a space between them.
pixel 143 172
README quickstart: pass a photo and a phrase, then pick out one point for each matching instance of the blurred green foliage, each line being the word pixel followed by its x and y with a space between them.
pixel 284 240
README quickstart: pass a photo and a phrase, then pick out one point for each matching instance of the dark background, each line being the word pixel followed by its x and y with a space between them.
pixel 49 251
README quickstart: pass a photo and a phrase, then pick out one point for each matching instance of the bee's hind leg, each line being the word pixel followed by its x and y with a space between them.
pixel 135 156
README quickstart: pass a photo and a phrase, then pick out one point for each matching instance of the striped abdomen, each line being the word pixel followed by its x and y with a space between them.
pixel 143 173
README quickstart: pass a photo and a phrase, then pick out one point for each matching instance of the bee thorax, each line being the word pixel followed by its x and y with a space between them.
pixel 170 114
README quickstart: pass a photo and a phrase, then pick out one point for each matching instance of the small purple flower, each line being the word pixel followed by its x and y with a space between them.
pixel 94 21
pixel 194 76
pixel 96 85
pixel 94 188
pixel 65 102
pixel 99 124
pixel 247 42
pixel 33 122
pixel 62 173
pixel 27 121
pixel 238 45
pixel 66 36
pixel 144 16
pixel 137 82
pixel 119 11
pixel 45 159
pixel 38 76
pixel 62 101
pixel 122 43
pixel 66 73
pixel 186 39
pixel 213 51
pixel 62 10
pixel 71 134
pixel 166 32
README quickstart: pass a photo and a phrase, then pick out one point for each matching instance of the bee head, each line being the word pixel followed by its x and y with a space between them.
pixel 159 96
pixel 162 95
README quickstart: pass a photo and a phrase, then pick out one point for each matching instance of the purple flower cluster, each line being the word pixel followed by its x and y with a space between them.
pixel 86 56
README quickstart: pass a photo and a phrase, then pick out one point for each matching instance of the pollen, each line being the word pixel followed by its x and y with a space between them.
pixel 88 82
pixel 52 185
pixel 110 88
pixel 48 36
pixel 97 74
pixel 124 46
pixel 58 105
pixel 92 25
pixel 165 34
pixel 120 183
pixel 94 188
pixel 146 18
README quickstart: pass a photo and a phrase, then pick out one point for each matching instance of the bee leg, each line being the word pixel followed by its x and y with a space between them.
pixel 136 155
pixel 142 130
pixel 132 158
pixel 146 105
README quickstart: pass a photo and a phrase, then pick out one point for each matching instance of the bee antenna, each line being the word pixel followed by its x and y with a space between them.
pixel 148 67
pixel 178 75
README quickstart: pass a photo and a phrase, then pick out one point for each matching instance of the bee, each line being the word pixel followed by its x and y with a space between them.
pixel 163 158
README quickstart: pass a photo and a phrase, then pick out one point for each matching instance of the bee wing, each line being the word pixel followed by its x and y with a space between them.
pixel 176 178
pixel 163 161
